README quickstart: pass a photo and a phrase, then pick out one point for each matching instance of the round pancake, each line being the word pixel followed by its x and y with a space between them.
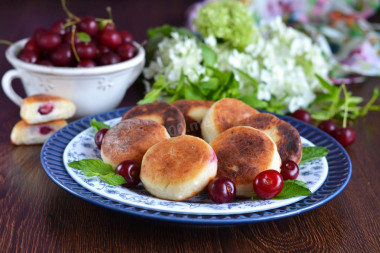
pixel 243 152
pixel 193 110
pixel 224 114
pixel 161 112
pixel 130 139
pixel 286 137
pixel 178 168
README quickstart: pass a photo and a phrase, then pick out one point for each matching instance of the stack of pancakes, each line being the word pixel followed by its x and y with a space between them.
pixel 238 142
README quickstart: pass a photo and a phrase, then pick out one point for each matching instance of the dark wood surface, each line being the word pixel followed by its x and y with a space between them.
pixel 39 216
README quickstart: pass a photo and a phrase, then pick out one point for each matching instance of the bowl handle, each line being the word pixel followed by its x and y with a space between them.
pixel 6 82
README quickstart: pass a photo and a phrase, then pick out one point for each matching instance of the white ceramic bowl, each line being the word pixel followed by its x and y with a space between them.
pixel 93 90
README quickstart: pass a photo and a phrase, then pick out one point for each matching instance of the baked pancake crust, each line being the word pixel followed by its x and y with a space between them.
pixel 193 110
pixel 243 152
pixel 161 112
pixel 286 137
pixel 224 114
pixel 178 168
pixel 130 139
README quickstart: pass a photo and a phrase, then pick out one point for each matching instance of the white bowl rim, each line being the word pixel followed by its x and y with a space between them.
pixel 13 50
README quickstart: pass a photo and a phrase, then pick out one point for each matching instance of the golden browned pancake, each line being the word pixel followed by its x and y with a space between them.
pixel 193 110
pixel 224 114
pixel 286 137
pixel 161 112
pixel 130 139
pixel 178 168
pixel 243 152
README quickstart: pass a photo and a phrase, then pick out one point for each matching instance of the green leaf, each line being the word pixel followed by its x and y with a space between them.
pixel 367 107
pixel 311 153
pixel 113 179
pixel 209 56
pixel 327 85
pixel 97 125
pixel 92 167
pixel 293 188
pixel 150 97
pixel 253 101
pixel 84 37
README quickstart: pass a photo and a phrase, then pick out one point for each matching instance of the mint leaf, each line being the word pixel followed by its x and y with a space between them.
pixel 96 167
pixel 311 153
pixel 97 125
pixel 293 188
pixel 113 179
pixel 84 37
pixel 150 97
pixel 92 167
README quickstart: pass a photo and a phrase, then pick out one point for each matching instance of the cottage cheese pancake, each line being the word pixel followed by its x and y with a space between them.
pixel 130 139
pixel 178 168
pixel 243 152
pixel 285 136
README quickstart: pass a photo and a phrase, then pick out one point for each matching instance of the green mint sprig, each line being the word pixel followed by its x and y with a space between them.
pixel 96 167
pixel 312 153
pixel 97 125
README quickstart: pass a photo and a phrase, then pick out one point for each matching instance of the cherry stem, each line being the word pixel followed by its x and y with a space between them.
pixel 73 44
pixel 6 42
pixel 109 11
pixel 345 105
pixel 69 13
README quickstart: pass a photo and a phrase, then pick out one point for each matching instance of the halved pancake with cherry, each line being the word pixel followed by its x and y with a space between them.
pixel 193 110
pixel 224 114
pixel 161 112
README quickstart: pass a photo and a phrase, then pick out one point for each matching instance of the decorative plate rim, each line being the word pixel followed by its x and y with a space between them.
pixel 339 174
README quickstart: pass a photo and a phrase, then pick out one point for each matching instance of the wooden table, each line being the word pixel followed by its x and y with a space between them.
pixel 39 216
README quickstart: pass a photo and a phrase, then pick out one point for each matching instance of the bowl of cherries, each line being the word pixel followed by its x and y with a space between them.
pixel 85 59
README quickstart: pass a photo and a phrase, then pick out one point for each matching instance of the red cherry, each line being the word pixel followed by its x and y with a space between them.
pixel 130 171
pixel 126 51
pixel 268 184
pixel 328 126
pixel 88 25
pixel 221 190
pixel 302 115
pixel 68 37
pixel 28 56
pixel 86 64
pixel 45 108
pixel 126 36
pixel 45 130
pixel 109 58
pixel 110 38
pixel 289 170
pixel 38 32
pixel 99 137
pixel 58 27
pixel 49 41
pixel 345 136
pixel 32 45
pixel 85 50
pixel 62 55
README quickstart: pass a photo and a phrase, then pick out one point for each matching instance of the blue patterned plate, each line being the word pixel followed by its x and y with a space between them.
pixel 75 142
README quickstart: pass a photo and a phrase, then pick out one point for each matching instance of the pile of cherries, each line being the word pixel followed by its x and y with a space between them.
pixel 345 135
pixel 79 42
